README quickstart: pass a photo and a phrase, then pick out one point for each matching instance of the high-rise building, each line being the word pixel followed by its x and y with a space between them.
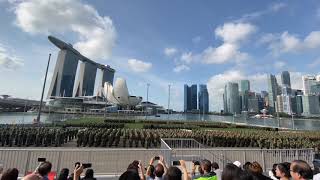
pixel 86 79
pixel 203 99
pixel 315 89
pixel 273 92
pixel 287 104
pixel 279 104
pixel 231 98
pixel 244 85
pixel 296 92
pixel 285 79
pixel 253 104
pixel 190 98
pixel 244 91
pixel 194 97
pixel 299 104
pixel 307 82
pixel 187 99
pixel 64 74
pixel 260 101
pixel 286 90
pixel 264 94
pixel 310 105
pixel 64 82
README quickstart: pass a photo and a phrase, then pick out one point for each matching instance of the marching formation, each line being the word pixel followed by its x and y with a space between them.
pixel 112 136
pixel 148 138
pixel 99 137
pixel 35 136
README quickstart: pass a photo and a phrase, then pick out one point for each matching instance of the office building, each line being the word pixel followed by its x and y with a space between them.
pixel 190 98
pixel 286 90
pixel 244 85
pixel 244 90
pixel 231 98
pixel 285 79
pixel 299 105
pixel 203 99
pixel 315 89
pixel 253 104
pixel 307 82
pixel 310 105
pixel 279 104
pixel 273 92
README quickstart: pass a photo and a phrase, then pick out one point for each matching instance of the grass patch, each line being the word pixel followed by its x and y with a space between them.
pixel 134 125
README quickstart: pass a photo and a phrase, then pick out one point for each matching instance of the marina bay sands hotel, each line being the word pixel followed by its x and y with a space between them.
pixel 64 81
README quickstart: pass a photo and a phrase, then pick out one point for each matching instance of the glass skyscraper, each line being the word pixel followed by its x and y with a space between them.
pixel 203 99
pixel 244 94
pixel 244 85
pixel 285 79
pixel 231 98
pixel 190 97
pixel 64 74
pixel 64 82
pixel 273 92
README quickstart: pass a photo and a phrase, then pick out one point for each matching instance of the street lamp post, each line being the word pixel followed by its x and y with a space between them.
pixel 147 99
pixel 169 101
pixel 276 108
pixel 44 85
pixel 292 121
pixel 202 107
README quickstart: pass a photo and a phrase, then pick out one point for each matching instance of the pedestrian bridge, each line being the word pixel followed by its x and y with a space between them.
pixel 8 103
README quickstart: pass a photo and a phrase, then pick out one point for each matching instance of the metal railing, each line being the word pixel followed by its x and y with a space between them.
pixel 115 161
pixel 104 161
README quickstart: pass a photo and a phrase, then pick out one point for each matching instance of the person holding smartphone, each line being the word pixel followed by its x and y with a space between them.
pixel 41 172
pixel 159 169
pixel 174 173
pixel 208 174
pixel 196 166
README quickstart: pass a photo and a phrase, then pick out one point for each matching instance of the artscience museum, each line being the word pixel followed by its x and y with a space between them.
pixel 119 94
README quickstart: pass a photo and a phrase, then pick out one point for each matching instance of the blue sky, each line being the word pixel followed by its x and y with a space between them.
pixel 162 42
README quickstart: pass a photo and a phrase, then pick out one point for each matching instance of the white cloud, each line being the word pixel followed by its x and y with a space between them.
pixel 138 65
pixel 96 34
pixel 196 39
pixel 318 13
pixel 315 63
pixel 312 41
pixel 257 14
pixel 180 68
pixel 267 38
pixel 290 43
pixel 277 6
pixel 187 57
pixel 222 54
pixel 9 61
pixel 170 51
pixel 234 32
pixel 279 64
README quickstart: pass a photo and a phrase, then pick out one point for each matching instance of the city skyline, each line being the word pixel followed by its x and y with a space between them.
pixel 161 43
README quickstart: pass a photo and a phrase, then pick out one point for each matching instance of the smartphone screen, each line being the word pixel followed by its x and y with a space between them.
pixel 41 159
pixel 87 165
pixel 196 162
pixel 176 163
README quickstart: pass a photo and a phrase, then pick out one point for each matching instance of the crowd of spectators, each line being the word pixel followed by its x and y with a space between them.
pixel 158 169
pixel 207 170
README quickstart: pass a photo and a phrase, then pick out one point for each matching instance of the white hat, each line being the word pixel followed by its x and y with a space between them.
pixel 237 163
